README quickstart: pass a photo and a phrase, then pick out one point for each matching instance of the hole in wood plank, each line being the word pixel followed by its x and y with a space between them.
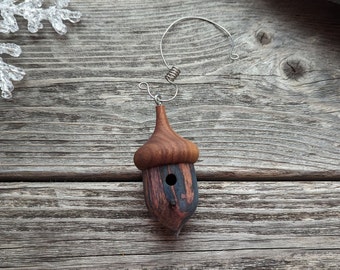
pixel 171 179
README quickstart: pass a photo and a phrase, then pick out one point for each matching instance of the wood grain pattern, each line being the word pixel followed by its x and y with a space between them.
pixel 237 225
pixel 274 113
pixel 165 146
pixel 171 194
pixel 169 177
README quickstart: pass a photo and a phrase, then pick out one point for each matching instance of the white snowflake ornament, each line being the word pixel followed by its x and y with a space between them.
pixel 34 13
pixel 9 73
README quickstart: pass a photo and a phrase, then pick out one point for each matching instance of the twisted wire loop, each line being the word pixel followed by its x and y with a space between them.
pixel 174 72
pixel 157 97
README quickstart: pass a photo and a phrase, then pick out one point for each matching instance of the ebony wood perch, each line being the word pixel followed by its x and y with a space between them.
pixel 71 197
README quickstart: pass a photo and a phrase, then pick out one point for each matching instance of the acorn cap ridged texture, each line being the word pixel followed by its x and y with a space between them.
pixel 165 146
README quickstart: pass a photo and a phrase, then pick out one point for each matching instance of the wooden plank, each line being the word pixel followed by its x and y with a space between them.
pixel 273 113
pixel 238 225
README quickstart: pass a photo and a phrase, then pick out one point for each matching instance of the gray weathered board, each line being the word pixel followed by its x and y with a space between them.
pixel 79 115
pixel 274 112
pixel 238 225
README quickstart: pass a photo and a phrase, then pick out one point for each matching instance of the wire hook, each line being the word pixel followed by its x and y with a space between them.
pixel 174 72
pixel 157 97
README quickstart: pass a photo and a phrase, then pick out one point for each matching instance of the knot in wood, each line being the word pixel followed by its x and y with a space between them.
pixel 294 69
pixel 263 37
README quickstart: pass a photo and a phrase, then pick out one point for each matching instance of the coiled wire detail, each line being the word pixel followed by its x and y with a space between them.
pixel 174 72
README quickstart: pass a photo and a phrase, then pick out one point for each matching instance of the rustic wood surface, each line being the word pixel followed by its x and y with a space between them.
pixel 274 112
pixel 79 115
pixel 238 225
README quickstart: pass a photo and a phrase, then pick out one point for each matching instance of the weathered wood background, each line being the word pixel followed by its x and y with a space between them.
pixel 272 113
pixel 238 225
pixel 79 115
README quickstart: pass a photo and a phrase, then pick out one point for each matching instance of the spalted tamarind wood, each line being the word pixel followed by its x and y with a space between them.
pixel 171 194
pixel 169 178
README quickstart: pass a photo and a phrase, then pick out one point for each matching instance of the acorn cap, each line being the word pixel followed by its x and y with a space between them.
pixel 165 146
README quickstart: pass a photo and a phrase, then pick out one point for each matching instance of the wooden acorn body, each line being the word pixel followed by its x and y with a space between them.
pixel 169 178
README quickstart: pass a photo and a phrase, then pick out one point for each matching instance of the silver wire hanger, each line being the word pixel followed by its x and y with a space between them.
pixel 174 72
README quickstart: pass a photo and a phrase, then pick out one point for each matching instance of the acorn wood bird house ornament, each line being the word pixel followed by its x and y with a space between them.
pixel 170 184
pixel 167 159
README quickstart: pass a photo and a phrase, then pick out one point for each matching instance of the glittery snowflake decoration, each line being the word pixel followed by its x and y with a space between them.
pixel 34 12
pixel 9 73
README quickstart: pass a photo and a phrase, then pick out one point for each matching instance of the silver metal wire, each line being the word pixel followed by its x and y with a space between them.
pixel 174 72
pixel 233 55
pixel 157 97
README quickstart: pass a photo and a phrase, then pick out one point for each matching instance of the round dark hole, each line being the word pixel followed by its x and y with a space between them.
pixel 171 179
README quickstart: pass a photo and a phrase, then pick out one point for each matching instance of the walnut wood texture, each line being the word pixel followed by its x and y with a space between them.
pixel 272 113
pixel 165 146
pixel 237 225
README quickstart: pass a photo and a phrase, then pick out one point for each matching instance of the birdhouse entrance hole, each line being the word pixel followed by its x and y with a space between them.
pixel 171 179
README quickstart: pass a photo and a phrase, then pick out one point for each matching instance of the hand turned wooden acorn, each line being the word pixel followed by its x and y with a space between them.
pixel 166 159
pixel 169 178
